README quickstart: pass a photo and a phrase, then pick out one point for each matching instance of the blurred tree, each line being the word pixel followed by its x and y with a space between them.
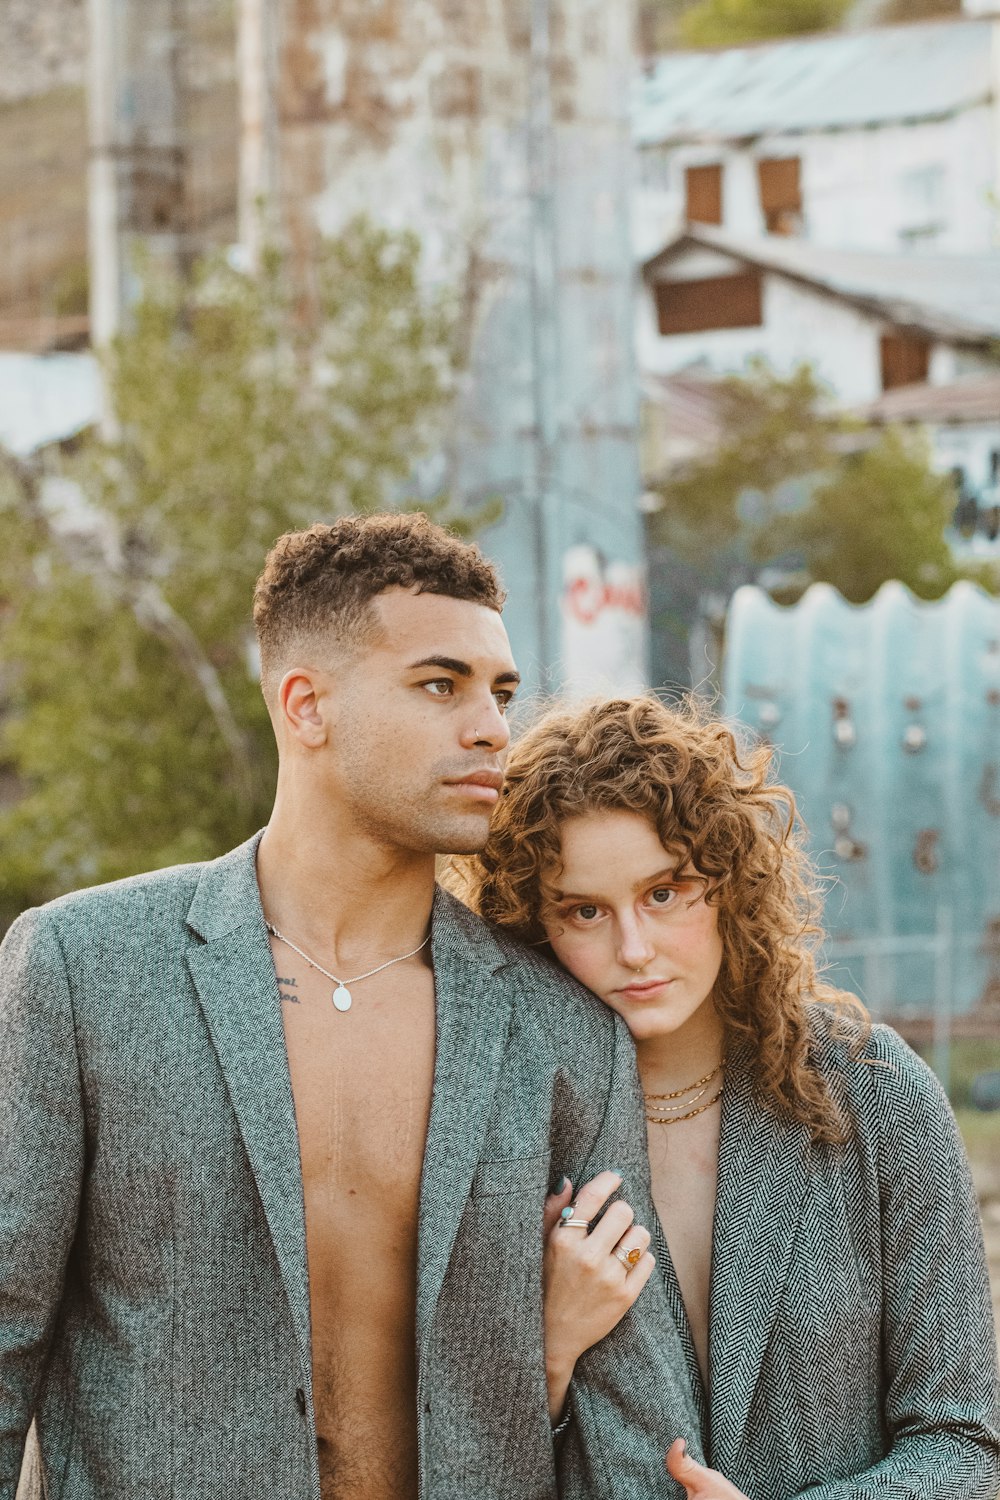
pixel 882 514
pixel 133 723
pixel 794 485
pixel 726 23
pixel 664 25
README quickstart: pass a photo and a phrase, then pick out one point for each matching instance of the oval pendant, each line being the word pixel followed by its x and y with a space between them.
pixel 342 997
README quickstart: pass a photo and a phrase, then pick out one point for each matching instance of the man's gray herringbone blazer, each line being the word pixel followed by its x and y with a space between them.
pixel 154 1305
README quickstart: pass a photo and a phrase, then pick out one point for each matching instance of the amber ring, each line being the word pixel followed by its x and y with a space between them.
pixel 629 1258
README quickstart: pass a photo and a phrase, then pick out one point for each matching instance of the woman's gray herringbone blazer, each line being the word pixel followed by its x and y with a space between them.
pixel 852 1348
pixel 154 1295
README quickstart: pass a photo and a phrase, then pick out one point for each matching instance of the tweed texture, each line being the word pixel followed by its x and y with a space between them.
pixel 852 1349
pixel 154 1306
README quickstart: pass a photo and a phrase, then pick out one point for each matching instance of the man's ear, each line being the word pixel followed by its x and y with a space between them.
pixel 300 706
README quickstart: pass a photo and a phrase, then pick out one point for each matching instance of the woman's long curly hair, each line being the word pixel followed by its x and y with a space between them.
pixel 717 808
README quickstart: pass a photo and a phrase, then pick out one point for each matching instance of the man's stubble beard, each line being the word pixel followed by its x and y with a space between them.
pixel 413 828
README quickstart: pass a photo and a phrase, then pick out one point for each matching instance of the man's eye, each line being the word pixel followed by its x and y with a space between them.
pixel 441 687
pixel 662 895
pixel 585 913
pixel 503 699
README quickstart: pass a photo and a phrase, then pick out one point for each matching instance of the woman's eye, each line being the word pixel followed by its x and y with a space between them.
pixel 663 895
pixel 585 913
pixel 441 687
pixel 503 700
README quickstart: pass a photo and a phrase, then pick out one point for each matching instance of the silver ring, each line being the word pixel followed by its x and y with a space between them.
pixel 574 1223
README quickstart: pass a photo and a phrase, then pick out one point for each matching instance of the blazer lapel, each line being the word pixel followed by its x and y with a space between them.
pixel 473 1018
pixel 763 1176
pixel 234 975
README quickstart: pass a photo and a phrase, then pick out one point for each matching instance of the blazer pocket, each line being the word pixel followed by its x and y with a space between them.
pixel 520 1174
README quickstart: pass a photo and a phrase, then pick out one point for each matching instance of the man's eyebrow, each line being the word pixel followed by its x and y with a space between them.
pixel 460 668
pixel 447 663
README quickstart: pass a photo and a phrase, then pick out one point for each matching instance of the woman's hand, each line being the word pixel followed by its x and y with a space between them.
pixel 699 1482
pixel 588 1287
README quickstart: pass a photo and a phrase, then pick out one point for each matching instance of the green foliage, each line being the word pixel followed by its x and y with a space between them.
pixel 134 727
pixel 881 515
pixel 774 429
pixel 726 23
pixel 794 482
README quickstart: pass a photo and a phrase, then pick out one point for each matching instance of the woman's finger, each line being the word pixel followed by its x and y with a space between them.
pixel 554 1205
pixel 630 1247
pixel 593 1195
pixel 605 1235
pixel 700 1483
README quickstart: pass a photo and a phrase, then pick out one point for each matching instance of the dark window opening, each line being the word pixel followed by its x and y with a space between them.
pixel 906 359
pixel 709 303
pixel 703 194
pixel 780 181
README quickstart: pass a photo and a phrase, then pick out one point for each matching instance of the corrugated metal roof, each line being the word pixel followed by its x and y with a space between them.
pixel 831 82
pixel 46 398
pixel 973 400
pixel 954 297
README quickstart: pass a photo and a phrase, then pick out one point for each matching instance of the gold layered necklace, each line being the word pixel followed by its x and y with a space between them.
pixel 683 1104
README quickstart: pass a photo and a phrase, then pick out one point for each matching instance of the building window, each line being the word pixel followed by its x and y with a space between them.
pixel 922 206
pixel 905 359
pixel 703 194
pixel 711 302
pixel 780 180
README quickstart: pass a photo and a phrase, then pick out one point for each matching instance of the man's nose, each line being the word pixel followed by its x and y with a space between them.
pixel 634 947
pixel 487 727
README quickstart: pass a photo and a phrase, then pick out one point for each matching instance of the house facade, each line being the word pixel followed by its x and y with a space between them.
pixel 866 322
pixel 885 140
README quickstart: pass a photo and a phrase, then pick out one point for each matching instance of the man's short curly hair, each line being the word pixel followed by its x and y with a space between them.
pixel 321 582
pixel 718 809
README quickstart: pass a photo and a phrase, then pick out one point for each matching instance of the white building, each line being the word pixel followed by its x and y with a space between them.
pixel 885 140
pixel 866 322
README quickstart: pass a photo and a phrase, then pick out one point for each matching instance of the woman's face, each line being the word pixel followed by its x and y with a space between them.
pixel 629 925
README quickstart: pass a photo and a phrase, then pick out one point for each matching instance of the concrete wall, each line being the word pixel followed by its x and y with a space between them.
pixel 419 112
pixel 43 46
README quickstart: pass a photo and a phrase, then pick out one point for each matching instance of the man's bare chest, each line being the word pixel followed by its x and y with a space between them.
pixel 361 1084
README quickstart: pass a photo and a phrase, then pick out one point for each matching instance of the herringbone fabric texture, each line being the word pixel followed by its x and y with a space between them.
pixel 154 1312
pixel 852 1349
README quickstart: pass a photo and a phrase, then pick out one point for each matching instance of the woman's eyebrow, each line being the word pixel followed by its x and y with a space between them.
pixel 667 874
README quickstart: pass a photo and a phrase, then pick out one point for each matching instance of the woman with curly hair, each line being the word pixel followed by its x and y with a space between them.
pixel 817 1231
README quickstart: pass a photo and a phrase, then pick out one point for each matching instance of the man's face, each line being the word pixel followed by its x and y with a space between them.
pixel 418 732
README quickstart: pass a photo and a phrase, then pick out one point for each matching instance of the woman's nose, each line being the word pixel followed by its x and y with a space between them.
pixel 634 948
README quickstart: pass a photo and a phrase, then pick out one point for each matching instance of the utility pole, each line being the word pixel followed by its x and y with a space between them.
pixel 137 156
pixel 545 330
pixel 257 68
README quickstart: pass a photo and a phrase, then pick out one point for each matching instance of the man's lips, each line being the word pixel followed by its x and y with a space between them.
pixel 481 786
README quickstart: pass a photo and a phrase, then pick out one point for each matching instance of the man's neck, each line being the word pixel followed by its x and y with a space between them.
pixel 337 893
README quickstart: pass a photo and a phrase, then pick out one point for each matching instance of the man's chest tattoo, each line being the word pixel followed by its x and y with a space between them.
pixel 286 988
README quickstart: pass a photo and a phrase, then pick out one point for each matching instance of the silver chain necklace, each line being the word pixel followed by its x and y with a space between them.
pixel 342 996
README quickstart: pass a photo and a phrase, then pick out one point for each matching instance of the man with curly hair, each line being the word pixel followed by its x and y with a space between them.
pixel 280 1127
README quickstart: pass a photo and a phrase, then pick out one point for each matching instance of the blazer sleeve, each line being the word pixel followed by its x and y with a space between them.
pixel 630 1395
pixel 41 1167
pixel 941 1402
